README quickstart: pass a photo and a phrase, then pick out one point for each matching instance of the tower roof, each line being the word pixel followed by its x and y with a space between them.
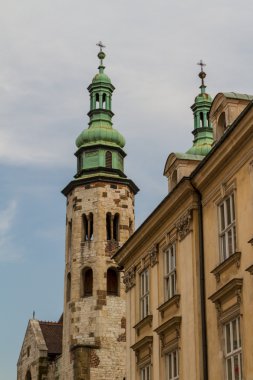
pixel 203 132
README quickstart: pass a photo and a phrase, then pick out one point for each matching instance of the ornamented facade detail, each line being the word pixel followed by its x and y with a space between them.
pixel 184 225
pixel 153 254
pixel 129 279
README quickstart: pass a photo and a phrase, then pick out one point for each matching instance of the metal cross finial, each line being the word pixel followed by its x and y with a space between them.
pixel 201 64
pixel 100 44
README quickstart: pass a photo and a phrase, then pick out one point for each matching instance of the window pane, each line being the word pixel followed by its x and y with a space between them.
pixel 237 368
pixel 234 334
pixel 222 217
pixel 223 247
pixel 228 338
pixel 228 209
pixel 175 363
pixel 229 369
pixel 230 242
pixel 233 207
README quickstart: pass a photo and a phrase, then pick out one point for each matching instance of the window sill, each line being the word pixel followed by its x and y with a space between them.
pixel 234 259
pixel 175 300
pixel 145 321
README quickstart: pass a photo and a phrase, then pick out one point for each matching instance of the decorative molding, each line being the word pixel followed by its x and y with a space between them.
pixel 234 288
pixel 147 341
pixel 145 321
pixel 153 254
pixel 184 224
pixel 175 300
pixel 172 324
pixel 129 279
pixel 250 269
pixel 235 258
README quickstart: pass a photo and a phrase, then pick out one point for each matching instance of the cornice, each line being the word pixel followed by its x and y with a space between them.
pixel 177 198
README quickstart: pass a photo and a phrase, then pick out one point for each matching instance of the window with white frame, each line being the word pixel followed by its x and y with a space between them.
pixel 144 292
pixel 227 227
pixel 145 373
pixel 233 350
pixel 171 365
pixel 170 272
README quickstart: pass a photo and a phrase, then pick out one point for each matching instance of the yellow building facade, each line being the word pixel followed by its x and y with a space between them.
pixel 188 267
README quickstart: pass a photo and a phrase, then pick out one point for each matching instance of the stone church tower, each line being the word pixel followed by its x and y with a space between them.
pixel 99 219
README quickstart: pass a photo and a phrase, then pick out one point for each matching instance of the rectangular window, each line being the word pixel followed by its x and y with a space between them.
pixel 233 350
pixel 144 299
pixel 145 373
pixel 170 272
pixel 171 364
pixel 227 227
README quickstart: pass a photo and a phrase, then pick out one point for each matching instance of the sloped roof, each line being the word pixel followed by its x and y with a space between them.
pixel 52 333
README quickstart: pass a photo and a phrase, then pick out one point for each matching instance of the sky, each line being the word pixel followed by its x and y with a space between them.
pixel 48 57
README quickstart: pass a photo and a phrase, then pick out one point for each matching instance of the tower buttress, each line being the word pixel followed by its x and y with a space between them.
pixel 100 218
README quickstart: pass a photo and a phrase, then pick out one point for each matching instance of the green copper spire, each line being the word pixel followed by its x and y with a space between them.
pixel 203 132
pixel 100 145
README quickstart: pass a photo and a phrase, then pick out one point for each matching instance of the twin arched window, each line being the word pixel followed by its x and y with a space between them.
pixel 112 226
pixel 87 227
pixel 112 282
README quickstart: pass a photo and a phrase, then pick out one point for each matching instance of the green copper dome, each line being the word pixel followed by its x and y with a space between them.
pixel 100 146
pixel 100 135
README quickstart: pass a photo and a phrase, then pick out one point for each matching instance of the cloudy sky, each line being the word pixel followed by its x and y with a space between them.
pixel 48 58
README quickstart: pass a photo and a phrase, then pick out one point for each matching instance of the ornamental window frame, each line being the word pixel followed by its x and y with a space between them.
pixel 144 293
pixel 170 279
pixel 227 227
pixel 172 365
pixel 233 355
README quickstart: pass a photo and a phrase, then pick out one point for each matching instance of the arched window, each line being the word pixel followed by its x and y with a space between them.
pixel 108 159
pixel 97 101
pixel 28 376
pixel 116 227
pixel 87 227
pixel 104 101
pixel 109 226
pixel 112 282
pixel 90 235
pixel 221 126
pixel 87 282
pixel 68 290
pixel 84 228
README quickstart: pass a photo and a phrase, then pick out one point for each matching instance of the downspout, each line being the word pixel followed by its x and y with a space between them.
pixel 202 284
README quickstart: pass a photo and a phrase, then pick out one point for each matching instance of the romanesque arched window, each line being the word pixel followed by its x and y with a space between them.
pixel 28 376
pixel 87 282
pixel 108 159
pixel 116 227
pixel 87 227
pixel 112 282
pixel 68 288
pixel 108 226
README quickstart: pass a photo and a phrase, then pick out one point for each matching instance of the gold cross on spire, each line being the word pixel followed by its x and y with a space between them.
pixel 202 74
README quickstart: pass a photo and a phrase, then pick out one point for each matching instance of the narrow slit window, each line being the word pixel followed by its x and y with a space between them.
pixel 108 226
pixel 68 294
pixel 116 227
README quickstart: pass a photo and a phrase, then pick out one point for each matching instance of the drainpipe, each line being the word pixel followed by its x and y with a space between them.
pixel 202 284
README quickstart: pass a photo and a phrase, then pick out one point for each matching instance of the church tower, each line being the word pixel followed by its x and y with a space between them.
pixel 99 219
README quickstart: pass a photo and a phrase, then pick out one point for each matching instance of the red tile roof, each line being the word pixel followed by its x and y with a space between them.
pixel 52 333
